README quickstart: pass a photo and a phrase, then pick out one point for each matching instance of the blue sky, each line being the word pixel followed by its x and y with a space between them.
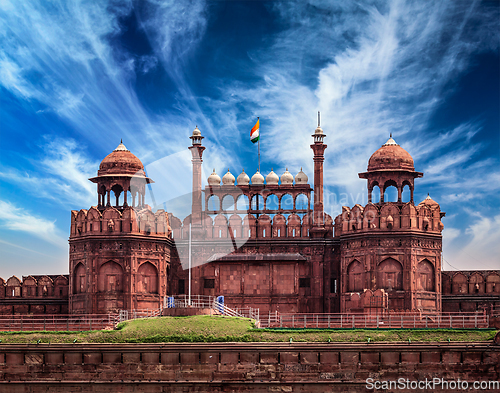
pixel 77 76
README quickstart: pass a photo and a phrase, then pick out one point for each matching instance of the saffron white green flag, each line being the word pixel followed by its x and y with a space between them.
pixel 254 134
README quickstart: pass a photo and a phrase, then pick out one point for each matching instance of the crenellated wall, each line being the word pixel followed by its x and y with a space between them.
pixel 471 290
pixel 34 295
pixel 391 216
pixel 112 221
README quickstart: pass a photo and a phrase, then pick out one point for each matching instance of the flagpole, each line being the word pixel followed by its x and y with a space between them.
pixel 258 143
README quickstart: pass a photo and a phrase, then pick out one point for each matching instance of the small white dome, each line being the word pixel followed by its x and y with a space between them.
pixel 228 179
pixel 286 177
pixel 214 179
pixel 243 179
pixel 272 178
pixel 121 147
pixel 390 142
pixel 301 178
pixel 318 131
pixel 196 131
pixel 257 178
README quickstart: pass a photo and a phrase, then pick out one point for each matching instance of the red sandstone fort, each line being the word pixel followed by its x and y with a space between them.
pixel 261 241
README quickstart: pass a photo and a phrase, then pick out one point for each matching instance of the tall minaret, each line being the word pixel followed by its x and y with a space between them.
pixel 319 156
pixel 197 152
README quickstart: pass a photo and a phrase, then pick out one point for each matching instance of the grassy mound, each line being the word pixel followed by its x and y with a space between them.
pixel 204 328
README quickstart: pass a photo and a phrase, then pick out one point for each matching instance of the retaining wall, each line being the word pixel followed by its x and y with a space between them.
pixel 255 367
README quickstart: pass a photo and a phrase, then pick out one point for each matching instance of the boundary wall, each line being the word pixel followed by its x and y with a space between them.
pixel 242 367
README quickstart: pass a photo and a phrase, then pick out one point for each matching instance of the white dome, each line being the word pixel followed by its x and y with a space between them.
pixel 301 178
pixel 213 179
pixel 257 178
pixel 228 179
pixel 318 131
pixel 196 132
pixel 272 178
pixel 286 177
pixel 243 179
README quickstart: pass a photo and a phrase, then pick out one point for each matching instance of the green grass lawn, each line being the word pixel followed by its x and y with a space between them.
pixel 204 328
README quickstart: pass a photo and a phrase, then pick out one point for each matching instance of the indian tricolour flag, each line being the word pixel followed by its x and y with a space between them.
pixel 254 134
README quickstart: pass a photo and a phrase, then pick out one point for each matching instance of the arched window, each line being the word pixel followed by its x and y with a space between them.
pixel 272 202
pixel 493 283
pixel 406 194
pixel 425 276
pixel 257 202
pixel 301 202
pixel 228 203
pixel 355 277
pixel 376 194
pixel 102 196
pixel 147 278
pixel 118 191
pixel 476 283
pixel 390 192
pixel 390 275
pixel 287 202
pixel 79 279
pixel 459 284
pixel 242 203
pixel 213 203
pixel 110 278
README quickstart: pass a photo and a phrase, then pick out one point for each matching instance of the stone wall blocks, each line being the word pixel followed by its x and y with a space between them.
pixel 349 357
pixel 268 357
pixel 14 358
pixel 472 357
pixel 112 357
pixel 131 357
pixel 169 358
pixel 229 358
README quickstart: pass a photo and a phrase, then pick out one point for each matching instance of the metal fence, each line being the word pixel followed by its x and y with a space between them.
pixel 57 322
pixel 214 303
pixel 391 320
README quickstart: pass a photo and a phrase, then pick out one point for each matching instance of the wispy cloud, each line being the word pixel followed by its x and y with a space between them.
pixel 387 72
pixel 60 175
pixel 77 71
pixel 18 219
pixel 479 246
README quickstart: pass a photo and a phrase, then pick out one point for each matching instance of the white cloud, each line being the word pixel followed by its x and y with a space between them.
pixel 479 249
pixel 61 174
pixel 18 219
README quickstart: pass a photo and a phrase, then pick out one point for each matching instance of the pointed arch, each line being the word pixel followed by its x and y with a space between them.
pixel 476 283
pixel 355 277
pixel 459 284
pixel 390 275
pixel 147 278
pixel 110 277
pixel 79 279
pixel 425 276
